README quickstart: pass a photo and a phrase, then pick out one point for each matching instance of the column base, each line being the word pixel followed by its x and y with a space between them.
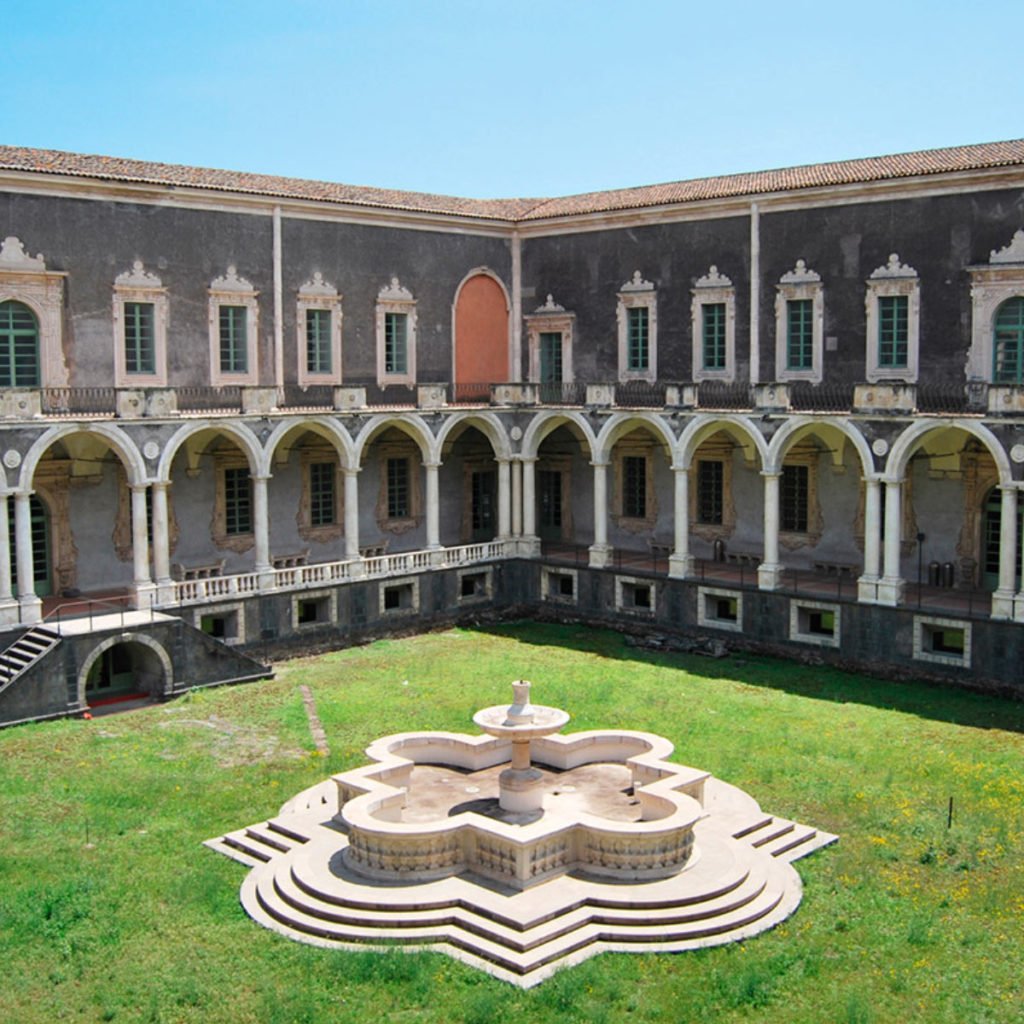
pixel 356 568
pixel 436 555
pixel 890 591
pixel 680 567
pixel 600 556
pixel 769 575
pixel 145 595
pixel 528 546
pixel 9 612
pixel 867 590
pixel 1018 607
pixel 30 610
pixel 265 577
pixel 1003 602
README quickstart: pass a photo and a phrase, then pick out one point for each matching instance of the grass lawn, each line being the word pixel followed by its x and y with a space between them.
pixel 111 910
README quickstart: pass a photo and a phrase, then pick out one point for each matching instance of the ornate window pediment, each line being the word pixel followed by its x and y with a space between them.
pixel 396 335
pixel 549 334
pixel 799 324
pixel 319 332
pixel 234 327
pixel 713 325
pixel 892 304
pixel 140 328
pixel 637 318
pixel 993 284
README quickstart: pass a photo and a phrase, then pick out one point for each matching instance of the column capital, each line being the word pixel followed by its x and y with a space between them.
pixel 600 463
pixel 771 474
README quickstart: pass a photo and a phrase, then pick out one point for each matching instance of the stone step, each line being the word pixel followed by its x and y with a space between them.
pixel 770 833
pixel 236 853
pixel 816 840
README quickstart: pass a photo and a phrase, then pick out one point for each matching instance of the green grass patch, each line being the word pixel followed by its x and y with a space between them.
pixel 111 910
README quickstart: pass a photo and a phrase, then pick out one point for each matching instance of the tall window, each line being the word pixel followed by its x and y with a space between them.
pixel 638 339
pixel 710 491
pixel 1008 343
pixel 19 346
pixel 399 505
pixel 713 335
pixel 319 341
pixel 322 494
pixel 234 342
pixel 634 486
pixel 551 357
pixel 139 337
pixel 794 499
pixel 396 343
pixel 799 334
pixel 237 501
pixel 893 331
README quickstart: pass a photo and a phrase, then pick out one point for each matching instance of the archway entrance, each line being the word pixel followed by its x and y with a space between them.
pixel 123 671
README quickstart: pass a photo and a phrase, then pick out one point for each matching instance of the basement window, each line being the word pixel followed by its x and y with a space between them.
pixel 476 585
pixel 720 609
pixel 813 622
pixel 223 622
pixel 399 597
pixel 559 585
pixel 942 641
pixel 634 595
pixel 313 609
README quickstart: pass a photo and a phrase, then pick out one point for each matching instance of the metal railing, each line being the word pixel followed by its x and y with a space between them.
pixel 471 393
pixel 562 393
pixel 717 394
pixel 78 401
pixel 942 398
pixel 807 397
pixel 312 396
pixel 198 398
pixel 640 394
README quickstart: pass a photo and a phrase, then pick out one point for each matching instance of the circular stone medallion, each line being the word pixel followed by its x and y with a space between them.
pixel 880 446
pixel 1017 453
pixel 12 458
pixel 151 449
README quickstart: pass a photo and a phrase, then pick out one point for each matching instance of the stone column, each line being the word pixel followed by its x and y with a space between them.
pixel 8 604
pixel 142 582
pixel 890 586
pixel 867 585
pixel 31 605
pixel 162 544
pixel 769 572
pixel 517 498
pixel 433 509
pixel 504 499
pixel 530 544
pixel 1003 598
pixel 600 550
pixel 680 564
pixel 351 500
pixel 261 530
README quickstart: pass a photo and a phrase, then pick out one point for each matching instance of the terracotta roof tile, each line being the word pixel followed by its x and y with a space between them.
pixel 844 172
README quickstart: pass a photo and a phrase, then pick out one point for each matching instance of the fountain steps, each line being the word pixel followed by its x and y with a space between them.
pixel 260 843
pixel 757 899
pixel 786 839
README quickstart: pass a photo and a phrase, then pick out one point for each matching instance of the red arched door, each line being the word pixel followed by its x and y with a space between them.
pixel 481 337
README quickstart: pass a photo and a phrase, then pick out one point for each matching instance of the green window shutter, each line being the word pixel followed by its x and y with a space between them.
pixel 1008 343
pixel 551 357
pixel 234 348
pixel 139 337
pixel 19 346
pixel 710 491
pixel 634 486
pixel 237 501
pixel 318 341
pixel 800 334
pixel 398 489
pixel 396 343
pixel 713 334
pixel 893 331
pixel 794 499
pixel 638 338
pixel 322 494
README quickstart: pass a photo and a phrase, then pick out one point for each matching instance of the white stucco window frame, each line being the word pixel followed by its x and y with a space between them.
pixel 623 584
pixel 798 613
pixel 486 574
pixel 316 293
pixel 713 594
pixel 924 624
pixel 798 284
pixel 393 298
pixel 894 279
pixel 139 285
pixel 548 591
pixel 550 318
pixel 232 290
pixel 24 278
pixel 409 583
pixel 236 608
pixel 711 290
pixel 638 294
pixel 329 599
pixel 992 284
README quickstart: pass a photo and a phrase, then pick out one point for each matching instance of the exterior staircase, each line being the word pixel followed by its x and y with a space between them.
pixel 25 652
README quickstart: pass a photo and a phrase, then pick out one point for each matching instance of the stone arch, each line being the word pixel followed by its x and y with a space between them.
pixel 120 443
pixel 481 310
pixel 545 422
pixel 239 433
pixel 329 429
pixel 801 426
pixel 911 439
pixel 160 654
pixel 486 422
pixel 412 425
pixel 623 423
pixel 702 426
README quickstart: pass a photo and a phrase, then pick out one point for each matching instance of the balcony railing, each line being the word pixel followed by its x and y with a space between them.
pixel 471 393
pixel 942 398
pixel 640 394
pixel 562 393
pixel 806 397
pixel 209 399
pixel 716 394
pixel 78 401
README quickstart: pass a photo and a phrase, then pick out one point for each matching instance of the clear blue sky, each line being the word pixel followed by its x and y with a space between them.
pixel 480 98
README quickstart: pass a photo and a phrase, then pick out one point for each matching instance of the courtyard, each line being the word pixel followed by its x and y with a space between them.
pixel 112 910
